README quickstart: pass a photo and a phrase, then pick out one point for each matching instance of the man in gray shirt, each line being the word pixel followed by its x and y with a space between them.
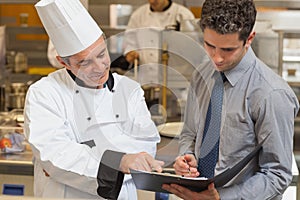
pixel 256 103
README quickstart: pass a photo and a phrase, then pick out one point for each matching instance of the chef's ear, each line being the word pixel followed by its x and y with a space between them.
pixel 64 61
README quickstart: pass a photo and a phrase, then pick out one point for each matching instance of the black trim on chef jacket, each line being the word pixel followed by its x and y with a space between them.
pixel 110 82
pixel 109 178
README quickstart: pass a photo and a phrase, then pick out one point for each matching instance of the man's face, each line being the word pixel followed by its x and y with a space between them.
pixel 92 64
pixel 158 5
pixel 227 50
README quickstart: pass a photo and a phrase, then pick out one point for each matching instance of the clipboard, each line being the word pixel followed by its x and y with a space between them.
pixel 153 181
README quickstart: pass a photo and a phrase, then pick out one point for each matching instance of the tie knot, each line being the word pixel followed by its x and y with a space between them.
pixel 223 77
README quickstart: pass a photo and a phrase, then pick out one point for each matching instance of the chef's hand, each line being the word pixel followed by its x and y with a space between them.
pixel 186 165
pixel 210 194
pixel 140 161
pixel 131 56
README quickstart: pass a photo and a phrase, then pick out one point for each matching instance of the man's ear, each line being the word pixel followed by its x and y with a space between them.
pixel 61 61
pixel 250 39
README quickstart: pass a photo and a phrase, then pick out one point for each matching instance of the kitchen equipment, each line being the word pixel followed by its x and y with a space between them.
pixel 16 101
pixel 136 69
pixel 2 97
pixel 2 52
pixel 16 96
pixel 20 63
pixel 17 61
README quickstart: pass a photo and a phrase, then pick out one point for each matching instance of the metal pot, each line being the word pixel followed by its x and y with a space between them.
pixel 18 88
pixel 16 97
pixel 16 101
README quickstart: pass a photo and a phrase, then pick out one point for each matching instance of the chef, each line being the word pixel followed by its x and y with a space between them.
pixel 87 127
pixel 143 36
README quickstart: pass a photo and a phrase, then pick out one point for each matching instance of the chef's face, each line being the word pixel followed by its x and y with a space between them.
pixel 92 64
pixel 158 5
pixel 226 50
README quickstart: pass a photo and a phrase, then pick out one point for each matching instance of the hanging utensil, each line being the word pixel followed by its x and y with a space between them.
pixel 135 69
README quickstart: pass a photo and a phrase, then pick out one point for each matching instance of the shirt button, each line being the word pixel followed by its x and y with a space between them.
pixel 89 118
pixel 117 115
pixel 77 91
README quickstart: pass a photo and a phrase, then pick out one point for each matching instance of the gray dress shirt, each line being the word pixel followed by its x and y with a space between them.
pixel 257 102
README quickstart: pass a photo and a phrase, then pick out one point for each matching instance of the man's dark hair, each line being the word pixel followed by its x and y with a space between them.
pixel 229 16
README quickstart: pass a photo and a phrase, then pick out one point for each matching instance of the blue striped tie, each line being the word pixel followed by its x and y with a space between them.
pixel 210 143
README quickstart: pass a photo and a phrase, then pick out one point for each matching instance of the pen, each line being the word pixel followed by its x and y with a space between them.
pixel 188 165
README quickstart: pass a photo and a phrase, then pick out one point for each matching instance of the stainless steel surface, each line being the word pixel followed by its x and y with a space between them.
pixel 266 48
pixel 285 25
pixel 16 96
pixel 285 19
pixel 13 90
pixel 17 164
pixel 16 101
pixel 10 121
pixel 18 88
pixel 283 33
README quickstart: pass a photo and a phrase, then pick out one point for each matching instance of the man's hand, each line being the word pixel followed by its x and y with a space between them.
pixel 210 194
pixel 186 165
pixel 131 56
pixel 140 161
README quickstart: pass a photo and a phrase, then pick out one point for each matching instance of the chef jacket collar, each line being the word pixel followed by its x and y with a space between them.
pixel 166 8
pixel 110 82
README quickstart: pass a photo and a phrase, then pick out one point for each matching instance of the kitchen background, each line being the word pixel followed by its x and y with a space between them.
pixel 25 43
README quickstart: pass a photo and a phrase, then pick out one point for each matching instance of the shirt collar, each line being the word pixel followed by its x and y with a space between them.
pixel 235 74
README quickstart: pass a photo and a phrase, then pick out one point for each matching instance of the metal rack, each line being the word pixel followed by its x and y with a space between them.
pixel 282 34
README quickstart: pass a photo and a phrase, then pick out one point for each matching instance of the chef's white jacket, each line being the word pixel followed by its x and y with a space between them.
pixel 69 127
pixel 144 35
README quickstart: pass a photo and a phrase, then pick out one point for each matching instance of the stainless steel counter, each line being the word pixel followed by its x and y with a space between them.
pixel 17 163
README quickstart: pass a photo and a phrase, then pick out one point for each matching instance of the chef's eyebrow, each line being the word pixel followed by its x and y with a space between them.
pixel 86 60
pixel 102 51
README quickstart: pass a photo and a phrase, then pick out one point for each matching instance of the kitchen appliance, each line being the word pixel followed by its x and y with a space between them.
pixel 16 95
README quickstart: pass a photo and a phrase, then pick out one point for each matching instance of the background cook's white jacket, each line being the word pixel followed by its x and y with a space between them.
pixel 58 119
pixel 144 34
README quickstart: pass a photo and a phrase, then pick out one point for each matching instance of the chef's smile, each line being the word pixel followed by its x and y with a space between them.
pixel 92 65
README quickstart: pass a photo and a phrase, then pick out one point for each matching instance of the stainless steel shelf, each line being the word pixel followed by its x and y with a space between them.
pixel 285 33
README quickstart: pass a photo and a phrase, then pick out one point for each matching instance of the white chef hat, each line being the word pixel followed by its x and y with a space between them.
pixel 68 24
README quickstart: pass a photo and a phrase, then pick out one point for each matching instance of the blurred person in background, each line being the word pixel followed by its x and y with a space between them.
pixel 156 15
